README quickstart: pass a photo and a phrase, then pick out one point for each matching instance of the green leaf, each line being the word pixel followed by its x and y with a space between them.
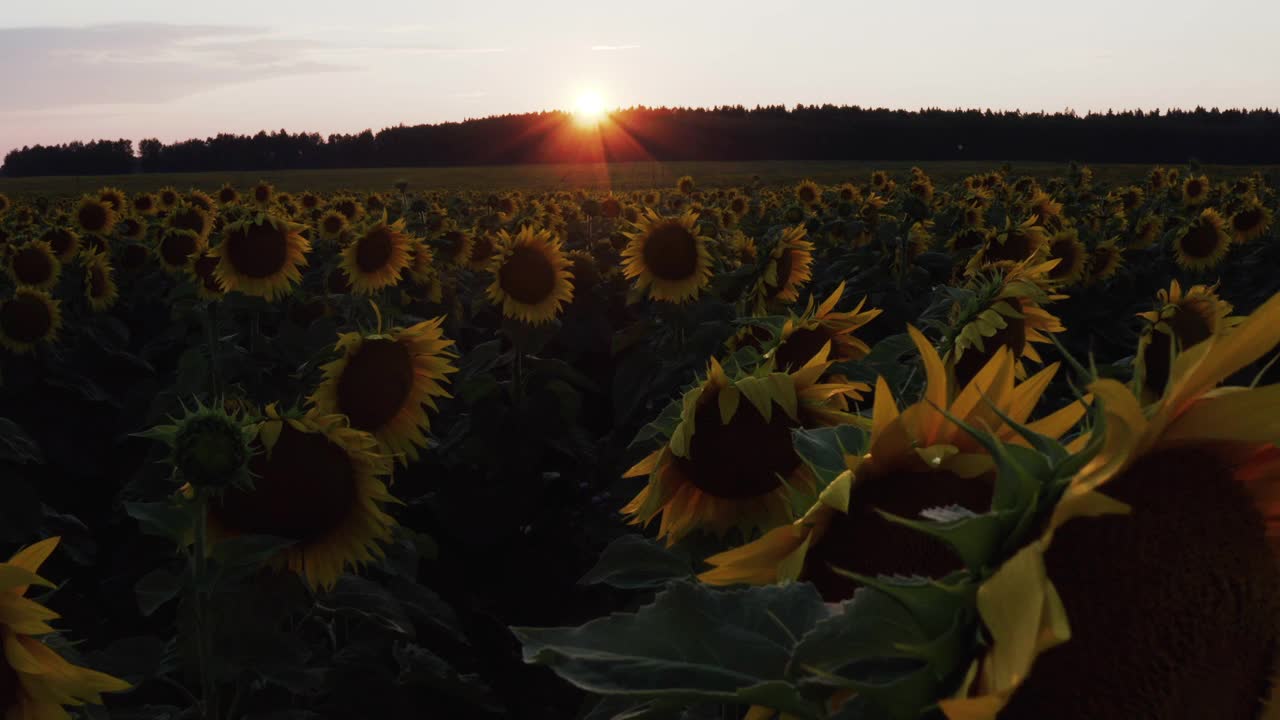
pixel 692 643
pixel 824 449
pixel 16 445
pixel 157 588
pixel 870 625
pixel 370 601
pixel 165 519
pixel 634 562
pixel 242 556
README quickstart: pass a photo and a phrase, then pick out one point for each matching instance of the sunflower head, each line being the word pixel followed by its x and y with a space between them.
pixel 261 194
pixel 228 195
pixel 179 248
pixel 262 256
pixel 1065 247
pixel 114 198
pixel 385 382
pixel 531 279
pixel 1179 322
pixel 667 257
pixel 377 255
pixel 804 336
pixel 1203 243
pixel 1013 245
pixel 168 198
pixel 29 318
pixel 685 185
pixel 785 270
pixel 94 216
pixel 1250 221
pixel 190 217
pixel 1004 309
pixel 204 275
pixel 1195 191
pixel 808 193
pixel 34 264
pixel 99 286
pixel 332 226
pixel 1146 231
pixel 1105 260
pixel 209 447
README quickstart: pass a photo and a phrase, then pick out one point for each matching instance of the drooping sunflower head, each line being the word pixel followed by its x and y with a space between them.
pixel 1065 247
pixel 1250 221
pixel 1195 191
pixel 385 382
pixel 28 319
pixel 1044 207
pixel 318 482
pixel 916 459
pixel 35 681
pixel 785 270
pixel 803 337
pixel 94 216
pixel 100 287
pixel 667 257
pixel 376 256
pixel 202 200
pixel 1105 260
pixel 262 256
pixel 531 279
pixel 1203 243
pixel 1179 322
pixel 179 248
pixel 1006 309
pixel 63 241
pixel 727 458
pixel 1184 488
pixel 114 199
pixel 35 265
pixel 808 193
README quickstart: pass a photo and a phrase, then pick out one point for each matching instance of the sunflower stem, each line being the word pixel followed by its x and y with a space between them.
pixel 211 336
pixel 517 376
pixel 199 571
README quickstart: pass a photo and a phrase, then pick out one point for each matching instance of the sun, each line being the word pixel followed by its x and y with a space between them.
pixel 589 109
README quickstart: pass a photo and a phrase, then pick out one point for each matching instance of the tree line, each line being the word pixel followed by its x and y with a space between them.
pixel 728 133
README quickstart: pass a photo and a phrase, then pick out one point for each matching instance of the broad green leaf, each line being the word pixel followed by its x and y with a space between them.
pixel 634 562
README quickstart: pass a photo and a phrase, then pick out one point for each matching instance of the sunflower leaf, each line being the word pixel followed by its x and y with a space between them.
pixel 634 562
pixel 157 588
pixel 975 539
pixel 164 519
pixel 870 625
pixel 692 643
pixel 824 449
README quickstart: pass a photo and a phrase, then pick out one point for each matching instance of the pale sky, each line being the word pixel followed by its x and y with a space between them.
pixel 175 69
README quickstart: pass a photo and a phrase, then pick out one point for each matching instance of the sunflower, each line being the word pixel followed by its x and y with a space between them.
pixel 738 205
pixel 27 319
pixel 970 238
pixel 375 258
pixel 317 481
pixel 879 180
pixel 729 460
pixel 5 204
pixel 803 337
pixel 531 280
pixel 204 275
pixel 785 270
pixel 99 285
pixel 1179 322
pixel 685 185
pixel 1146 231
pixel 332 226
pixel 261 194
pixel 808 193
pixel 94 216
pixel 190 217
pixel 1066 248
pixel 179 248
pixel 1156 179
pixel 35 681
pixel 1203 242
pixel 168 198
pixel 384 384
pixel 144 204
pixel 1007 310
pixel 202 200
pixel 1013 245
pixel 1250 221
pixel 228 195
pixel 350 207
pixel 1044 207
pixel 261 256
pixel 917 459
pixel 35 265
pixel 1195 190
pixel 667 257
pixel 1187 491
pixel 1104 262
pixel 64 242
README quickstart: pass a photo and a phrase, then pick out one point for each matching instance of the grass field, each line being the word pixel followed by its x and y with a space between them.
pixel 553 177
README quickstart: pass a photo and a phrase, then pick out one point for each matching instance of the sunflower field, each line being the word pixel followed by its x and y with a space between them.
pixel 1005 448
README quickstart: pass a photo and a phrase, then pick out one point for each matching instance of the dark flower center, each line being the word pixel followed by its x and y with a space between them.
pixel 258 250
pixel 746 458
pixel 1201 239
pixel 60 240
pixel 25 319
pixel 671 252
pixel 373 251
pixel 527 275
pixel 862 541
pixel 800 347
pixel 92 217
pixel 303 491
pixel 32 265
pixel 177 247
pixel 1172 608
pixel 375 384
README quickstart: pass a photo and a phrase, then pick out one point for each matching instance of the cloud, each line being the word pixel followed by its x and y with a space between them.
pixel 600 48
pixel 53 67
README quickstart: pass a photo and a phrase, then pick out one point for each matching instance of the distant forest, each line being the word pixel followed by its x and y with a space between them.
pixel 812 132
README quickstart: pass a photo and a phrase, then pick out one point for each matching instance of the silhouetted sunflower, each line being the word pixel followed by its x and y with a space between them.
pixel 99 286
pixel 179 248
pixel 228 195
pixel 1072 256
pixel 1105 260
pixel 168 198
pixel 33 264
pixel 145 204
pixel 63 241
pixel 27 319
pixel 114 198
pixel 1250 221
pixel 261 194
pixel 1203 242
pixel 190 217
pixel 92 215
pixel 808 193
pixel 376 256
pixel 1195 191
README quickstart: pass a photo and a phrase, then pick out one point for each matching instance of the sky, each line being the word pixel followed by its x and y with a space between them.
pixel 174 70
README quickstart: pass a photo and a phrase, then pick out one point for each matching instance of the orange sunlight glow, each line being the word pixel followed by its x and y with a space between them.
pixel 589 108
